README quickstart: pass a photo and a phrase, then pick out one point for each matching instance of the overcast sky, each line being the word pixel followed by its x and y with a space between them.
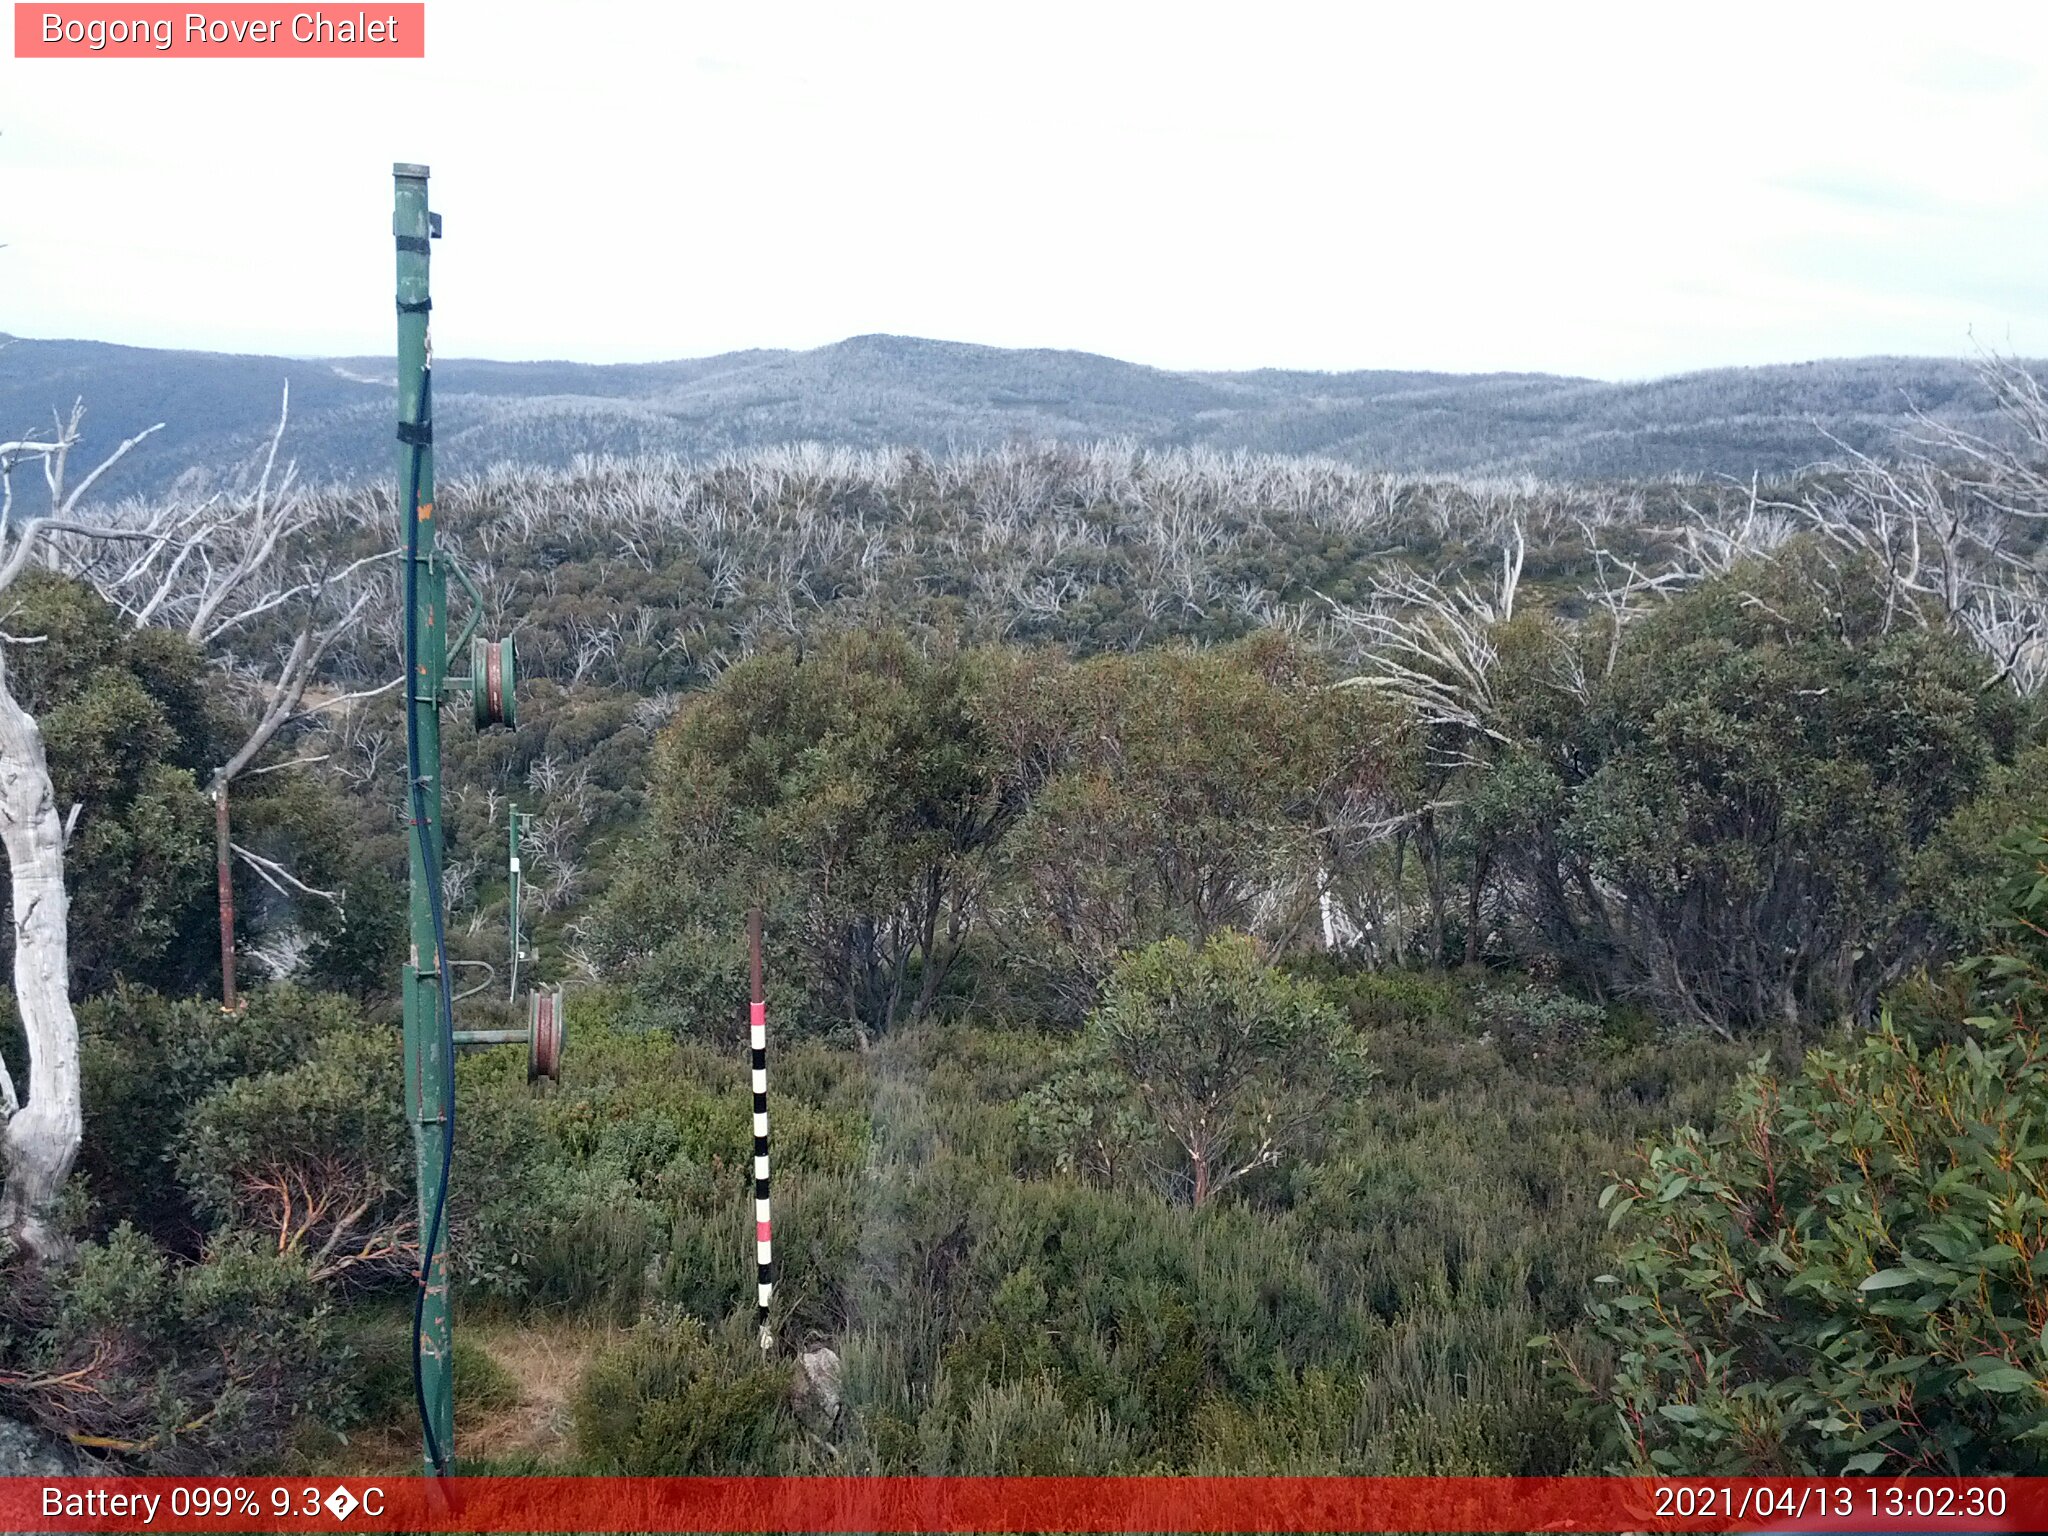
pixel 1619 192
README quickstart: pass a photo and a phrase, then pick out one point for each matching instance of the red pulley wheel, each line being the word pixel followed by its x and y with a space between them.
pixel 493 682
pixel 544 1028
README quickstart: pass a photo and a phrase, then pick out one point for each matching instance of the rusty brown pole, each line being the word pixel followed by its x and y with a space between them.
pixel 224 875
pixel 755 997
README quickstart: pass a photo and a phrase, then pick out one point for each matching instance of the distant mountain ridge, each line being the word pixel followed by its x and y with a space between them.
pixel 877 390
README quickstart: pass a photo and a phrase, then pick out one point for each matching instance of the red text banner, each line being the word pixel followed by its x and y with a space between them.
pixel 226 31
pixel 1021 1504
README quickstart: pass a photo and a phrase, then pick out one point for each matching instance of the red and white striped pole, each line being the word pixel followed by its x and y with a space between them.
pixel 757 1050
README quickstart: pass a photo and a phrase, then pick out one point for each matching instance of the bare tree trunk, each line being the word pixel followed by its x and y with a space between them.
pixel 1400 943
pixel 1433 870
pixel 42 1135
pixel 1475 908
pixel 224 879
pixel 932 972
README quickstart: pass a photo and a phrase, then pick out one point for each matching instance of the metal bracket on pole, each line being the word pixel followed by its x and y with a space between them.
pixel 476 607
pixel 492 684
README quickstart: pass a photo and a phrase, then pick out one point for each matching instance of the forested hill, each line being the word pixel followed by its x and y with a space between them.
pixel 875 390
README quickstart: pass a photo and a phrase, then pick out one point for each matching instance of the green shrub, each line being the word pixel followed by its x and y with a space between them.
pixel 314 1156
pixel 1020 1429
pixel 1754 777
pixel 480 1382
pixel 1849 1276
pixel 148 1060
pixel 1958 881
pixel 1539 1024
pixel 672 1399
pixel 129 727
pixel 376 1342
pixel 562 1236
pixel 856 787
pixel 378 1345
pixel 1192 1070
pixel 169 1366
pixel 1413 1251
pixel 1191 788
pixel 1425 1001
pixel 559 1202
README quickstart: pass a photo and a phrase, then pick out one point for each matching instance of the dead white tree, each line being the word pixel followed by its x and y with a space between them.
pixel 1429 642
pixel 1618 594
pixel 551 839
pixel 43 1130
pixel 240 564
pixel 593 643
pixel 1937 519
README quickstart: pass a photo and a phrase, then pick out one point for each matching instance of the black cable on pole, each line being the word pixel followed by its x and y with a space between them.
pixel 430 870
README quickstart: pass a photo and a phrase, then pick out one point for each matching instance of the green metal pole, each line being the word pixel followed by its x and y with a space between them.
pixel 427 1066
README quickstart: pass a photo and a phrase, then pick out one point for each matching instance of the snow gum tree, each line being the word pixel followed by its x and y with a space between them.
pixel 43 1128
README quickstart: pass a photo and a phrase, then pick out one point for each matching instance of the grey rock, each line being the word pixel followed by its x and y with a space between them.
pixel 815 1393
pixel 27 1452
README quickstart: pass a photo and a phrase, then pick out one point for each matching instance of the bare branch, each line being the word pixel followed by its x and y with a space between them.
pixel 273 873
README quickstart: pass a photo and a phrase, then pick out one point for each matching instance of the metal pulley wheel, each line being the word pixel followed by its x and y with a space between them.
pixel 492 676
pixel 545 1027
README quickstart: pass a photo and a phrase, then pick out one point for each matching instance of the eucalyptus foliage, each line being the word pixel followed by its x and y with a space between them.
pixel 1200 1067
pixel 1851 1275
